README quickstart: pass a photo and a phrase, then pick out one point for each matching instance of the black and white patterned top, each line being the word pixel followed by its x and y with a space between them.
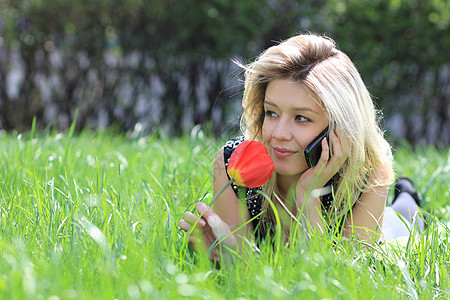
pixel 254 199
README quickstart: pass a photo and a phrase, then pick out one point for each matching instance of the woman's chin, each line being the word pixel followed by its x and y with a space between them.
pixel 289 171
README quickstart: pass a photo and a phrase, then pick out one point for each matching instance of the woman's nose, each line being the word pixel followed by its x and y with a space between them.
pixel 282 131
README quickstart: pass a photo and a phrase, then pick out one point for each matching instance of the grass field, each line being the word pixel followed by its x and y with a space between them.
pixel 95 216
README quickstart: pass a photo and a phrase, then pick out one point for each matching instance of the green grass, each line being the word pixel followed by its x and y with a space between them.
pixel 95 216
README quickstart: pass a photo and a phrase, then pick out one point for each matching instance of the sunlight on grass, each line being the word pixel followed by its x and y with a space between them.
pixel 95 216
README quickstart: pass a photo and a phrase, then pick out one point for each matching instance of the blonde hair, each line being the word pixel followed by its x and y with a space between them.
pixel 336 85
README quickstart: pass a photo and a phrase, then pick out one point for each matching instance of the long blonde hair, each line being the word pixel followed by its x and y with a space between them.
pixel 337 87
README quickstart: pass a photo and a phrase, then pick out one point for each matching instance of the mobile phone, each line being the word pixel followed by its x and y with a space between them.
pixel 314 149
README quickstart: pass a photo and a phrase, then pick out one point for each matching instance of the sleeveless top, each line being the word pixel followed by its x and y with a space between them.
pixel 253 198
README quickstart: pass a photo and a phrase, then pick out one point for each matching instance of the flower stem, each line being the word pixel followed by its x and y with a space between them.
pixel 221 191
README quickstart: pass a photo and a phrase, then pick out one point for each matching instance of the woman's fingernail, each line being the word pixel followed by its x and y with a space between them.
pixel 201 222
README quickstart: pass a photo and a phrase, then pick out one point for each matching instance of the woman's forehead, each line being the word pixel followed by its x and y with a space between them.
pixel 294 94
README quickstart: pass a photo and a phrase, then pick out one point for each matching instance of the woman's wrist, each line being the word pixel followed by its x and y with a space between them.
pixel 307 199
pixel 310 208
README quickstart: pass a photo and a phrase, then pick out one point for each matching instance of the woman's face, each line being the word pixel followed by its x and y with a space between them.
pixel 292 120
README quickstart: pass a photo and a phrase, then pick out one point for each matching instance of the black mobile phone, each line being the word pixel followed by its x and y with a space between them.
pixel 314 149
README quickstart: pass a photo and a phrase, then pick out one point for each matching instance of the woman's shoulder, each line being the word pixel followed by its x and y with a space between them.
pixel 235 141
pixel 230 146
pixel 381 175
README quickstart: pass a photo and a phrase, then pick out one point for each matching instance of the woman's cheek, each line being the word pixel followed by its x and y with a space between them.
pixel 265 134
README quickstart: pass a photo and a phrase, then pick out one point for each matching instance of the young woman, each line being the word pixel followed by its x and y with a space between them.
pixel 293 91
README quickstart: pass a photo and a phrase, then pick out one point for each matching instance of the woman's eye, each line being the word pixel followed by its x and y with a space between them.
pixel 270 114
pixel 301 118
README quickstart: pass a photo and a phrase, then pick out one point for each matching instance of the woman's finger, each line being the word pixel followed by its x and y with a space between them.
pixel 218 227
pixel 211 218
pixel 204 210
pixel 344 143
pixel 184 225
pixel 339 148
pixel 192 219
pixel 325 155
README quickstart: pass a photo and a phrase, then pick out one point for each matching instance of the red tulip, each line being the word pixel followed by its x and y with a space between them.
pixel 249 166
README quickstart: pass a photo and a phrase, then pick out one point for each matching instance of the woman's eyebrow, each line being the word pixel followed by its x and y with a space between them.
pixel 299 108
pixel 267 102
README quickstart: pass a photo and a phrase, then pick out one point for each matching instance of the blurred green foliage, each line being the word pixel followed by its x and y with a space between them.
pixel 98 47
pixel 402 49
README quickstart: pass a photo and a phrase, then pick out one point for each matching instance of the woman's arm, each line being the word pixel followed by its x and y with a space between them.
pixel 210 226
pixel 366 217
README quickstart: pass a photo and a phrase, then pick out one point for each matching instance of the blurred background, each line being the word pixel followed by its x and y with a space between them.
pixel 148 65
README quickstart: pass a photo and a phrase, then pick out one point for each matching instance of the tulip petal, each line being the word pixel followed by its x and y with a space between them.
pixel 250 165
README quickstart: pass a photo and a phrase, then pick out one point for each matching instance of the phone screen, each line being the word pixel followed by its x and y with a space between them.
pixel 314 149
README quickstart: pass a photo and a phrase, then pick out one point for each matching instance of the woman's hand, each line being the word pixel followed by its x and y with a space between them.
pixel 315 178
pixel 312 181
pixel 209 231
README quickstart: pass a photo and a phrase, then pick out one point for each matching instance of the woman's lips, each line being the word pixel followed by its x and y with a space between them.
pixel 283 152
